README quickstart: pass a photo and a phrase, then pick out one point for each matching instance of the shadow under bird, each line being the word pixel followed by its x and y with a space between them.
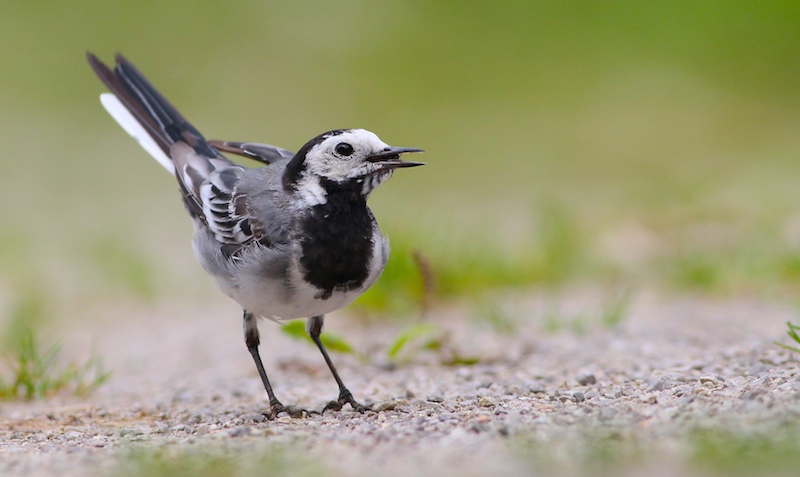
pixel 291 239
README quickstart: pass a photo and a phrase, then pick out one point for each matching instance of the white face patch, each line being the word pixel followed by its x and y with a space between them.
pixel 311 191
pixel 344 156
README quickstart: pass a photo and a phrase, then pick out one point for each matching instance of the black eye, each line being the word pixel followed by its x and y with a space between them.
pixel 344 149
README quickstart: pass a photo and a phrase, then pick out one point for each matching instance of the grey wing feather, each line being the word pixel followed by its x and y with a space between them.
pixel 266 153
pixel 240 205
pixel 213 182
pixel 270 214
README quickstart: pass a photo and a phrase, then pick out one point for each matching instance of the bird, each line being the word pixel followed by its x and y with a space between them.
pixel 291 239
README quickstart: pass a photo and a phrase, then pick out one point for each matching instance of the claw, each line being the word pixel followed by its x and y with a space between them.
pixel 295 412
pixel 277 408
pixel 345 397
pixel 333 405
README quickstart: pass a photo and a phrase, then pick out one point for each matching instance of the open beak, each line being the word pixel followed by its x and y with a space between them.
pixel 389 158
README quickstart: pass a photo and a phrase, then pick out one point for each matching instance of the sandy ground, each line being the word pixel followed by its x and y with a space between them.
pixel 537 400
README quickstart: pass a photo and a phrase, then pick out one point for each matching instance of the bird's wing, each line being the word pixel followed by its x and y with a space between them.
pixel 266 153
pixel 213 184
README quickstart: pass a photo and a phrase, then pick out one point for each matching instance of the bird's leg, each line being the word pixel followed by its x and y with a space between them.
pixel 252 340
pixel 314 329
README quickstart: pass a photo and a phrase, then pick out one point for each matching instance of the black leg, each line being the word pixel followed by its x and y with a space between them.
pixel 314 328
pixel 252 340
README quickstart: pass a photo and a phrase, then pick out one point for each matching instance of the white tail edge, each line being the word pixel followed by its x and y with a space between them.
pixel 124 118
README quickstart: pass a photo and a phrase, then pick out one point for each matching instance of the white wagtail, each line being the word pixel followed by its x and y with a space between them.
pixel 292 239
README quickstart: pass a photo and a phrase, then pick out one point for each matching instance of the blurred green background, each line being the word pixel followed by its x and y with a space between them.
pixel 614 143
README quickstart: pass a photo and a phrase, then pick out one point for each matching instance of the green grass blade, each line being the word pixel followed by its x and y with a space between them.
pixel 297 329
pixel 410 334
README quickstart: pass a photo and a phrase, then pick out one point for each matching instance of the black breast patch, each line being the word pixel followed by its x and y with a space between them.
pixel 337 241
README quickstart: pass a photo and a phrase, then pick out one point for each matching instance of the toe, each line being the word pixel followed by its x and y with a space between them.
pixel 333 405
pixel 295 412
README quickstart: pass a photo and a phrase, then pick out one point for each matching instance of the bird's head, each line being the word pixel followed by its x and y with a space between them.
pixel 346 158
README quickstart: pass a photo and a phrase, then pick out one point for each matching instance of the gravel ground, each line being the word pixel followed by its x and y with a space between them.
pixel 536 400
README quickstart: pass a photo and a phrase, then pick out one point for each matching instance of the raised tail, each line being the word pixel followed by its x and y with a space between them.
pixel 145 114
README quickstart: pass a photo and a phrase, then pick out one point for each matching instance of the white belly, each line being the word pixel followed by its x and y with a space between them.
pixel 304 302
pixel 286 296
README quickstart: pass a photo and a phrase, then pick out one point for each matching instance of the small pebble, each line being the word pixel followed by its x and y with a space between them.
pixel 535 387
pixel 130 432
pixel 659 384
pixel 239 431
pixel 385 406
pixel 586 379
pixel 486 402
pixel 758 369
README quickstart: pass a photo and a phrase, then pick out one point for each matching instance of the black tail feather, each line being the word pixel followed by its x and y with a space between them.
pixel 133 104
pixel 161 119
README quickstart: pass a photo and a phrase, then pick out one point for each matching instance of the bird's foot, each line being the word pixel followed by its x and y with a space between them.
pixel 276 408
pixel 345 397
